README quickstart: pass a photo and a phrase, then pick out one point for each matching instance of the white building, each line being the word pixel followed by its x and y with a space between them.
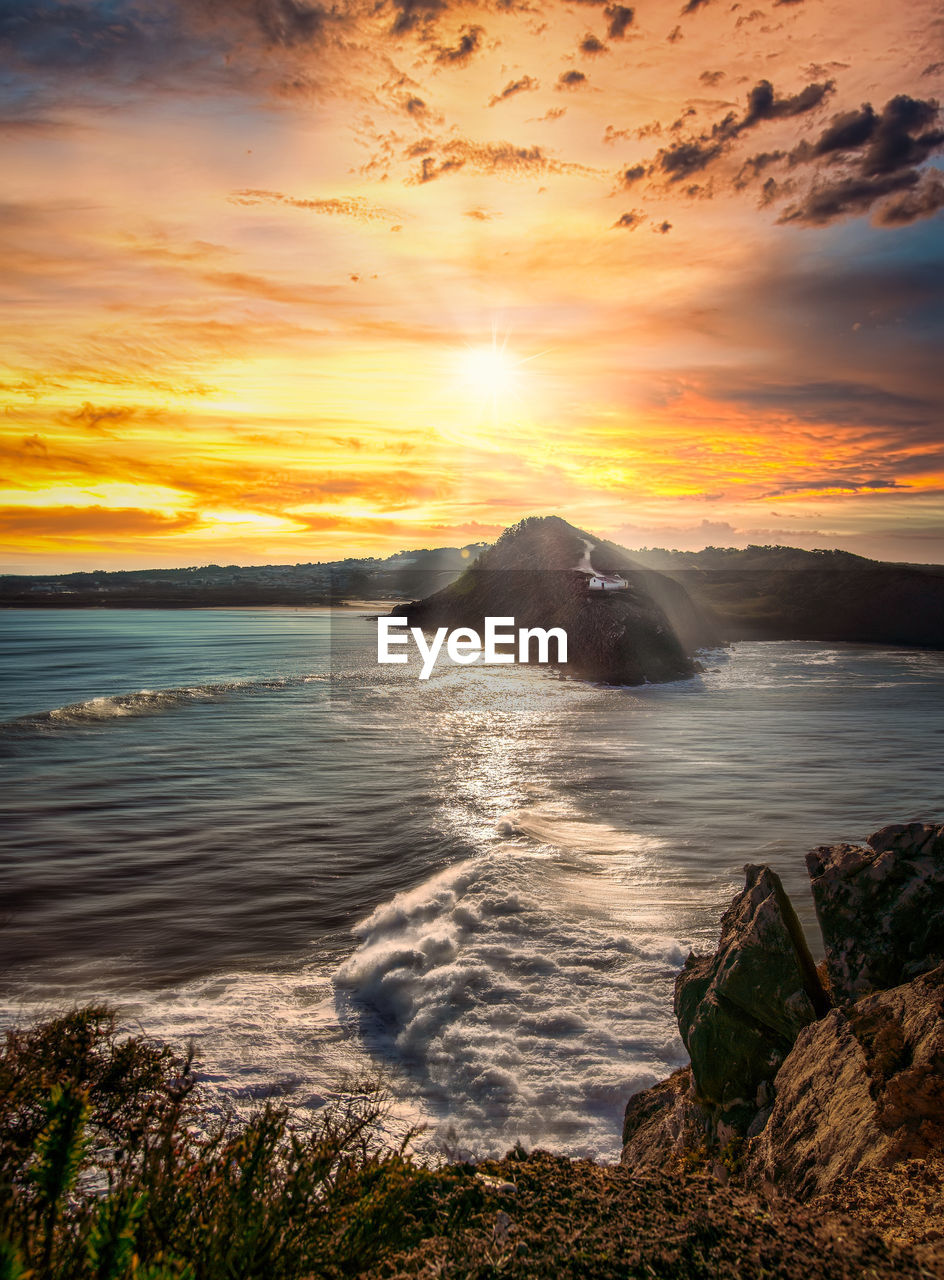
pixel 606 582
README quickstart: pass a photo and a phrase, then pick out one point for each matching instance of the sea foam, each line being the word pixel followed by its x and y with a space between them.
pixel 518 1015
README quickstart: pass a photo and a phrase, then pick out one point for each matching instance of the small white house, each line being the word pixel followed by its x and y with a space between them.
pixel 607 582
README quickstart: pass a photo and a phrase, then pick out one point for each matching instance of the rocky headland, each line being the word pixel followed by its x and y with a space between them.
pixel 821 1085
pixel 538 573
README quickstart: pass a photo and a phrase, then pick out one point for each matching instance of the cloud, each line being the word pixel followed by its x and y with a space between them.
pixel 571 80
pixel 619 19
pixel 101 419
pixel 922 201
pixel 833 400
pixel 711 78
pixel 356 207
pixel 194 45
pixel 591 46
pixel 631 220
pixel 633 174
pixel 526 84
pixel 44 523
pixel 470 41
pixel 763 103
pixel 827 202
pixel 879 154
pixel 682 159
pixel 411 14
pixel 692 155
pixel 448 155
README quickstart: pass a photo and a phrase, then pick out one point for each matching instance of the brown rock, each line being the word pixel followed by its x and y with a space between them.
pixel 860 1090
pixel 881 908
pixel 740 1011
pixel 663 1121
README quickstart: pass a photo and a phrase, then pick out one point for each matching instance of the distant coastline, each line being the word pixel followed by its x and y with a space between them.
pixel 752 593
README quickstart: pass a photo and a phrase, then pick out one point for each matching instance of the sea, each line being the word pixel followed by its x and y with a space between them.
pixel 238 829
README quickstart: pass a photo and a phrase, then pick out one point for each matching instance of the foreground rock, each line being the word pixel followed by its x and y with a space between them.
pixel 860 1090
pixel 880 908
pixel 847 1097
pixel 663 1122
pixel 740 1010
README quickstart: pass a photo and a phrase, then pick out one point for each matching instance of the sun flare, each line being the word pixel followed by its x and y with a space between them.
pixel 490 371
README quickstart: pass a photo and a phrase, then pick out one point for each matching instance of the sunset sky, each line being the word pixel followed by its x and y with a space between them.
pixel 288 280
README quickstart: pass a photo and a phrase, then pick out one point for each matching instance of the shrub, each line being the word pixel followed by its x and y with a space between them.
pixel 113 1165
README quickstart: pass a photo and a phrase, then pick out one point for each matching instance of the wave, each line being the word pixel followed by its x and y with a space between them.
pixel 515 1016
pixel 557 828
pixel 144 702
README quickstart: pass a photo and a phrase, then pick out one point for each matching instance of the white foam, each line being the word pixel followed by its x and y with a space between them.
pixel 516 1018
pixel 142 702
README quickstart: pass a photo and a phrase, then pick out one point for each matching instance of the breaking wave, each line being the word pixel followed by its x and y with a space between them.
pixel 145 702
pixel 543 1022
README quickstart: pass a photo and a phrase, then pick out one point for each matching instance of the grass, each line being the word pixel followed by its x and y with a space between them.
pixel 113 1164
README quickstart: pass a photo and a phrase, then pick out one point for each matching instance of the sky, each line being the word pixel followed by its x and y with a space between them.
pixel 291 280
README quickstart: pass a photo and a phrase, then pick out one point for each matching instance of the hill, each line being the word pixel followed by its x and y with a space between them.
pixel 538 573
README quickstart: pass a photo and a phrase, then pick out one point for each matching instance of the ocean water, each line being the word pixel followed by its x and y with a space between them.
pixel 238 828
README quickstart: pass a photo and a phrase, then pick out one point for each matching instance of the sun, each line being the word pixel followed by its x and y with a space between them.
pixel 488 371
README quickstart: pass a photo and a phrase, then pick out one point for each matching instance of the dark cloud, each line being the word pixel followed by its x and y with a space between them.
pixel 826 202
pixel 880 153
pixel 763 103
pixel 923 201
pixel 663 228
pixel 619 19
pixel 843 484
pixel 571 79
pixel 693 5
pixel 633 174
pixel 470 41
pixel 102 43
pixel 692 155
pixel 683 159
pixel 711 78
pixel 288 22
pixel 526 84
pixel 846 132
pixel 845 402
pixel 631 220
pixel 414 106
pixel 755 165
pixel 674 35
pixel 903 135
pixel 411 14
pixel 592 46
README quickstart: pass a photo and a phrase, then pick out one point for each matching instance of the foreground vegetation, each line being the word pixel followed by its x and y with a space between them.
pixel 115 1164
pixel 112 1164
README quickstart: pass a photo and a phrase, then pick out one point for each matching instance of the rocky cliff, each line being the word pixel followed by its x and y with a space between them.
pixel 815 1083
pixel 537 572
